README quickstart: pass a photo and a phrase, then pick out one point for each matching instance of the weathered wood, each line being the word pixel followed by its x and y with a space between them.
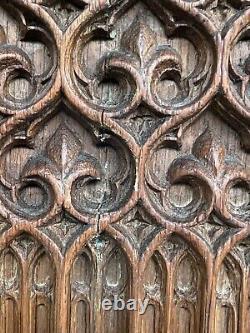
pixel 124 165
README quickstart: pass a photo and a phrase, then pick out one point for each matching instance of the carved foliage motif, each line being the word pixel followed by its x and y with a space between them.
pixel 107 188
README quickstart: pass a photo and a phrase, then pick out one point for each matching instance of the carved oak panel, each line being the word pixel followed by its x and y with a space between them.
pixel 124 166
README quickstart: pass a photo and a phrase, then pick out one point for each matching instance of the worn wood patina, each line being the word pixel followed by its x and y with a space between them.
pixel 124 165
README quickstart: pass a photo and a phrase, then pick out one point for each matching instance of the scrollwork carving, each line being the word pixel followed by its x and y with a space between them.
pixel 211 175
pixel 107 186
pixel 87 177
pixel 145 70
pixel 235 80
pixel 18 62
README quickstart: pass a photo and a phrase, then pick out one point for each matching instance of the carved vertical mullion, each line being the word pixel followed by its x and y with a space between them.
pixel 135 292
pixel 173 313
pixel 60 300
pixel 25 298
pixel 208 309
pixel 96 292
pixel 206 278
pixel 63 303
pixel 169 297
pixel 243 315
pixel 2 317
pixel 212 308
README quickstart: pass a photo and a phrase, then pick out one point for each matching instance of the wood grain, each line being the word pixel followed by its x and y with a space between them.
pixel 124 165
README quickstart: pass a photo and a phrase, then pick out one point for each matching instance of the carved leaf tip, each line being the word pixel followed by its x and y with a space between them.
pixel 210 149
pixel 139 38
pixel 63 147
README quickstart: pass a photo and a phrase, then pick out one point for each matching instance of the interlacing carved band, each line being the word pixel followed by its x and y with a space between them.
pixel 101 165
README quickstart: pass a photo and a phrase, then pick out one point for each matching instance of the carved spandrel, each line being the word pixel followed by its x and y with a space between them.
pixel 63 231
pixel 142 123
pixel 25 246
pixel 221 11
pixel 215 233
pixel 63 12
pixel 138 228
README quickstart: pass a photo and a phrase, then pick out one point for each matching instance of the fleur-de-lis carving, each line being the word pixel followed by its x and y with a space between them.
pixel 74 177
pixel 63 149
pixel 143 64
pixel 139 39
pixel 139 64
pixel 212 174
pixel 216 174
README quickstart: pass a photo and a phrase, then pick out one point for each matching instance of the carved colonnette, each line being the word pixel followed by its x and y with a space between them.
pixel 117 172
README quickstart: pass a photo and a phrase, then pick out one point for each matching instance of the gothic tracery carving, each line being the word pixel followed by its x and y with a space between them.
pixel 93 172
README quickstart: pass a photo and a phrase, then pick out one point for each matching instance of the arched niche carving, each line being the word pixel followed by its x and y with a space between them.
pixel 28 276
pixel 100 271
pixel 173 280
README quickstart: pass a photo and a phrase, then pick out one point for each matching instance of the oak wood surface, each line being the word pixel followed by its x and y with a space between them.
pixel 124 165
